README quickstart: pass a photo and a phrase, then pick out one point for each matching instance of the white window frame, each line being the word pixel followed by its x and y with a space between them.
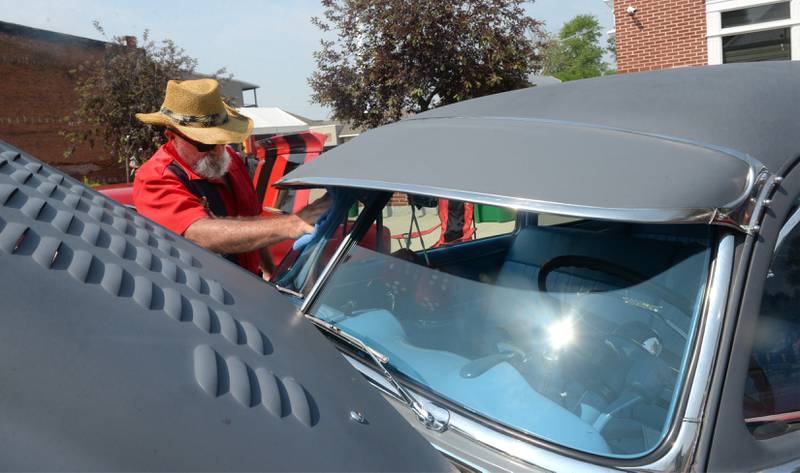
pixel 715 31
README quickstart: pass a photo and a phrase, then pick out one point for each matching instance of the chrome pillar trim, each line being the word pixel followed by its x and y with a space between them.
pixel 343 247
pixel 681 455
pixel 537 457
pixel 747 215
pixel 714 314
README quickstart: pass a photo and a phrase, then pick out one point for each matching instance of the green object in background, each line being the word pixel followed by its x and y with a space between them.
pixel 353 212
pixel 490 213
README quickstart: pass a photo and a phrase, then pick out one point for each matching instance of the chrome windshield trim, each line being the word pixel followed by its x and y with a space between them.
pixel 681 455
pixel 537 457
pixel 450 455
pixel 698 215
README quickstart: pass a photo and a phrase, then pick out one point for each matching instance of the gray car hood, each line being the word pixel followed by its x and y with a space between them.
pixel 125 347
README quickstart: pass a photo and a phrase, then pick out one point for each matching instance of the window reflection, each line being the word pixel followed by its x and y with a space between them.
pixel 772 394
pixel 771 45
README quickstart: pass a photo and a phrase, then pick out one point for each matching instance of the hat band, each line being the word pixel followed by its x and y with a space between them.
pixel 196 121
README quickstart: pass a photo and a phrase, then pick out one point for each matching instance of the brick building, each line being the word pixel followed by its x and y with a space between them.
pixel 37 92
pixel 658 34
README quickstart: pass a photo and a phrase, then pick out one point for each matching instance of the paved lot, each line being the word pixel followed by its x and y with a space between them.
pixel 400 222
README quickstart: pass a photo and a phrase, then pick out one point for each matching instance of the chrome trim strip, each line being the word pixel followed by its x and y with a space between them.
pixel 526 452
pixel 698 215
pixel 449 454
pixel 790 224
pixel 681 456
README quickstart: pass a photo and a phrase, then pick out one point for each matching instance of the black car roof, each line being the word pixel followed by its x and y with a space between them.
pixel 125 347
pixel 675 145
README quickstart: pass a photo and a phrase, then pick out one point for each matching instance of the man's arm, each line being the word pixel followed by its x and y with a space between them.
pixel 238 235
pixel 267 266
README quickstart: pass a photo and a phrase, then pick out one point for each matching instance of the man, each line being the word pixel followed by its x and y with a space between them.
pixel 196 186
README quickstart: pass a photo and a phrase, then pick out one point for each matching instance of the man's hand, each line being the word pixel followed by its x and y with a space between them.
pixel 310 214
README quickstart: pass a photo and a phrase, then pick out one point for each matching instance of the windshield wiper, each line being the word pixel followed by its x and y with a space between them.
pixel 423 415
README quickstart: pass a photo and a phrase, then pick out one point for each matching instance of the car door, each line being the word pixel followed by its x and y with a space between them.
pixel 758 420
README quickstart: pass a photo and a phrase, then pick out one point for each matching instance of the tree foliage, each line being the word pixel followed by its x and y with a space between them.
pixel 391 58
pixel 129 78
pixel 576 52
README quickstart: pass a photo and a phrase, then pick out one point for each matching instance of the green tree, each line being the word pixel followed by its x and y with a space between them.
pixel 576 52
pixel 129 78
pixel 391 58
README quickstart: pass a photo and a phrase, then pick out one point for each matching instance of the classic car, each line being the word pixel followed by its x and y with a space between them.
pixel 125 347
pixel 639 308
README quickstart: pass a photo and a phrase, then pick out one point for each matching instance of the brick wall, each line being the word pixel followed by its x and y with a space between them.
pixel 37 92
pixel 398 200
pixel 661 34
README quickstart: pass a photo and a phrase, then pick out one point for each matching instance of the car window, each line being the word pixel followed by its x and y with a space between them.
pixel 772 393
pixel 574 331
pixel 420 222
pixel 303 263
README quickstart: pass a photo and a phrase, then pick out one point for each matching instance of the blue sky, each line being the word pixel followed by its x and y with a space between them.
pixel 265 42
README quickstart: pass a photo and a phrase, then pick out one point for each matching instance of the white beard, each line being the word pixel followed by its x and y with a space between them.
pixel 212 166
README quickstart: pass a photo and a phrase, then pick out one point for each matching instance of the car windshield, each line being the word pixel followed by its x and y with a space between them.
pixel 570 330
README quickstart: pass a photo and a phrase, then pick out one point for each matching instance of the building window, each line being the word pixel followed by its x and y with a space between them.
pixel 770 45
pixel 753 30
pixel 751 16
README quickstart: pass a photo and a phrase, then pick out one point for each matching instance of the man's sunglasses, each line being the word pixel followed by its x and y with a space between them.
pixel 202 147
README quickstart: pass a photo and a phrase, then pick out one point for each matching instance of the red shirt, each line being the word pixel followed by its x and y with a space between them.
pixel 160 196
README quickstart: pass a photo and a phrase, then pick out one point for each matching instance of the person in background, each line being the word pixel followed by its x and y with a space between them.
pixel 198 187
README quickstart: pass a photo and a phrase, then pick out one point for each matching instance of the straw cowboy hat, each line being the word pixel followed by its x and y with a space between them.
pixel 195 108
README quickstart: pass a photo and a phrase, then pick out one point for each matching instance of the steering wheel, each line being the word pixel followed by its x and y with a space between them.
pixel 628 275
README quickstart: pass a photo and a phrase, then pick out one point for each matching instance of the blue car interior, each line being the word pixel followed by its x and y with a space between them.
pixel 483 345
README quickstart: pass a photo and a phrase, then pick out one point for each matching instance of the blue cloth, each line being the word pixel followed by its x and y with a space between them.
pixel 339 198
